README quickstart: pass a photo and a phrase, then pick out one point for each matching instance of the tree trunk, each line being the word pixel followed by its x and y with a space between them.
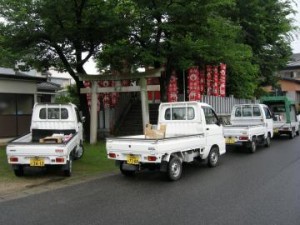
pixel 84 109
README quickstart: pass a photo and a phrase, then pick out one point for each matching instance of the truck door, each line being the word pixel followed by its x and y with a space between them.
pixel 269 120
pixel 213 130
pixel 79 124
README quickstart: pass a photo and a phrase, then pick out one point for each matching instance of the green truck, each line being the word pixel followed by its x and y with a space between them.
pixel 284 115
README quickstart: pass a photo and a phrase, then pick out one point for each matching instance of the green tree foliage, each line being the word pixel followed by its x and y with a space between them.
pixel 180 34
pixel 70 95
pixel 249 36
pixel 266 26
pixel 60 34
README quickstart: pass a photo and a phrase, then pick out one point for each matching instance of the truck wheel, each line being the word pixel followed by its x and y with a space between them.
pixel 268 141
pixel 252 147
pixel 127 173
pixel 292 134
pixel 79 153
pixel 174 169
pixel 68 168
pixel 297 133
pixel 19 171
pixel 213 157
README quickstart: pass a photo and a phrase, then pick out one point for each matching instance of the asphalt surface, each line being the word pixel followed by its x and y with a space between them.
pixel 260 188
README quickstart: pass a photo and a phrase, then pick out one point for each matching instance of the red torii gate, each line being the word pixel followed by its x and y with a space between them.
pixel 141 87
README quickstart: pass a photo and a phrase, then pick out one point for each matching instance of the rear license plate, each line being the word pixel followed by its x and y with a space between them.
pixel 230 140
pixel 133 159
pixel 37 162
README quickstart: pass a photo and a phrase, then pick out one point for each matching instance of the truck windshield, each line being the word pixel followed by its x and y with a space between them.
pixel 54 113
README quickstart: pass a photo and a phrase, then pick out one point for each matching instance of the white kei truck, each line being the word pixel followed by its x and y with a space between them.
pixel 55 139
pixel 251 125
pixel 191 132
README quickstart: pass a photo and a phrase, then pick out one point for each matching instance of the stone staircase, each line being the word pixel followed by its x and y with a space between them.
pixel 132 123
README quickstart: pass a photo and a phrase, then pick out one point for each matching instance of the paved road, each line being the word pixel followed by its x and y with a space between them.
pixel 262 188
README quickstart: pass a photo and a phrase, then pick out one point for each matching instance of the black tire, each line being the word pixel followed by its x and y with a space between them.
pixel 79 153
pixel 292 134
pixel 174 168
pixel 68 168
pixel 252 147
pixel 297 133
pixel 19 171
pixel 268 141
pixel 127 173
pixel 213 157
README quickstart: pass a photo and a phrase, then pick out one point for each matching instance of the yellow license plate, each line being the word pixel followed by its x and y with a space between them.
pixel 37 162
pixel 230 140
pixel 132 159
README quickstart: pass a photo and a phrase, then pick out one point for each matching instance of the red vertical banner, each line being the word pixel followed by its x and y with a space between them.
pixel 114 96
pixel 202 81
pixel 194 84
pixel 222 80
pixel 173 88
pixel 106 96
pixel 215 81
pixel 208 80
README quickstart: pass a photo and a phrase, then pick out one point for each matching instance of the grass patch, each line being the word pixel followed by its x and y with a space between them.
pixel 94 161
pixel 6 172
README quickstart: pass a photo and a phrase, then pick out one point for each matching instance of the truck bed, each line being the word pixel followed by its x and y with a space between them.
pixel 238 130
pixel 28 140
pixel 142 147
pixel 25 148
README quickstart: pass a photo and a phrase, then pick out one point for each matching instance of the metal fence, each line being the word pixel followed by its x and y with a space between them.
pixel 223 105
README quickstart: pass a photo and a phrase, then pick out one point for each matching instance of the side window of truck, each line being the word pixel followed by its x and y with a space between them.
pixel 238 112
pixel 210 115
pixel 268 113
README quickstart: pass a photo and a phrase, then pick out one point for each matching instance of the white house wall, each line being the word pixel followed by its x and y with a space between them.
pixel 18 87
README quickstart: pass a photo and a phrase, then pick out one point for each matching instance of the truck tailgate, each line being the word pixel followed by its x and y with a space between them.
pixel 121 148
pixel 23 153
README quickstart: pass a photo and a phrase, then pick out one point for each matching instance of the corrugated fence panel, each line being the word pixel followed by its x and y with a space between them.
pixel 223 105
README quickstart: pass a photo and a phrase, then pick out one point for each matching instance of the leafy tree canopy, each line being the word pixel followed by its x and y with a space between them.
pixel 249 36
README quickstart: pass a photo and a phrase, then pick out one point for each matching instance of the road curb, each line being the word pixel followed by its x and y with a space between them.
pixel 41 188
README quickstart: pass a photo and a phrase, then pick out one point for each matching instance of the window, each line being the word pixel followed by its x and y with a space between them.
pixel 210 115
pixel 256 111
pixel 247 111
pixel 268 113
pixel 180 113
pixel 238 112
pixel 24 104
pixel 54 113
pixel 7 104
